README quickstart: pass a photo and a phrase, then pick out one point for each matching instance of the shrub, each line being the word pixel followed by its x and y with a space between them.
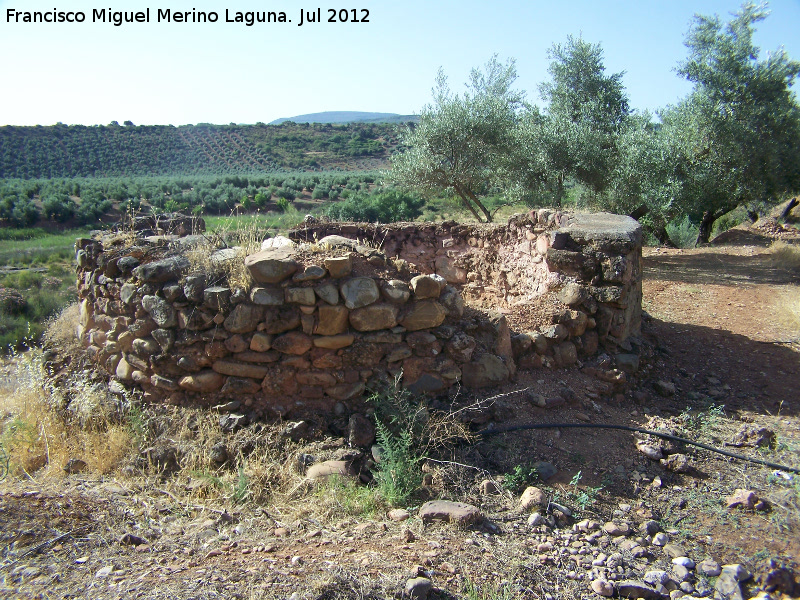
pixel 684 233
pixel 387 206
pixel 261 200
pixel 282 204
pixel 285 193
pixel 24 213
pixel 785 255
pixel 59 208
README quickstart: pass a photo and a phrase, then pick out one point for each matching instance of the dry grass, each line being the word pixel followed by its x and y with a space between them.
pixel 243 240
pixel 788 308
pixel 60 331
pixel 793 305
pixel 40 438
pixel 785 255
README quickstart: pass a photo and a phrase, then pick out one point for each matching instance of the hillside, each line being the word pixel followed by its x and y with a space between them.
pixel 113 150
pixel 347 116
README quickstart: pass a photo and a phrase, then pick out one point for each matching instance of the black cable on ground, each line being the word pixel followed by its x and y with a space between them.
pixel 666 436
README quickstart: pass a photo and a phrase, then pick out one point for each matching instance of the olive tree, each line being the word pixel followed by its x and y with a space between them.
pixel 739 130
pixel 647 179
pixel 461 140
pixel 576 136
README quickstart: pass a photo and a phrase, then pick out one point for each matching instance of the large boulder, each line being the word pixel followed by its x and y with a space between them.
pixel 396 291
pixel 239 369
pixel 450 272
pixel 272 265
pixel 427 286
pixel 244 318
pixel 340 266
pixel 293 342
pixel 333 320
pixel 217 297
pixel 453 302
pixel 266 296
pixel 160 311
pixel 488 371
pixel 202 381
pixel 334 342
pixel 451 512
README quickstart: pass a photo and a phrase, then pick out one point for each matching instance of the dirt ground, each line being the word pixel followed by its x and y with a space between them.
pixel 719 326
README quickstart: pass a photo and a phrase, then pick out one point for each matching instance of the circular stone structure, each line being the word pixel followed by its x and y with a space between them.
pixel 315 320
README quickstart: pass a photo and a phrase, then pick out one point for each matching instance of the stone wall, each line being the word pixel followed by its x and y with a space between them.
pixel 590 262
pixel 345 307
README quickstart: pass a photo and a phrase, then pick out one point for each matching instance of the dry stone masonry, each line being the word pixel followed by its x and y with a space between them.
pixel 336 309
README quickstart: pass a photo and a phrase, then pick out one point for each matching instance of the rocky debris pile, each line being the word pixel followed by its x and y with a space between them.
pixel 771 227
pixel 631 559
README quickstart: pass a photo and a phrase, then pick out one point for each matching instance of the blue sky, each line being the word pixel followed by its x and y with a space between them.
pixel 178 73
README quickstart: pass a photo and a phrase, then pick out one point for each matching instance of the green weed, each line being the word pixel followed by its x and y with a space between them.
pixel 400 430
pixel 399 474
pixel 584 498
pixel 702 422
pixel 241 488
pixel 520 478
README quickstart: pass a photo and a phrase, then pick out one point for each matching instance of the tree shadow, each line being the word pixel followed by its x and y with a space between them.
pixel 762 377
pixel 718 268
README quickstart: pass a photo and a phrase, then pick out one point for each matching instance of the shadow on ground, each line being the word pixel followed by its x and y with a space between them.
pixel 716 268
pixel 757 376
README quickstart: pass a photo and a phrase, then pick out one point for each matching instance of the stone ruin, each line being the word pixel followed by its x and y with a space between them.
pixel 337 309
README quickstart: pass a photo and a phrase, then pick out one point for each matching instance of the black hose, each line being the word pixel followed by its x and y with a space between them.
pixel 666 436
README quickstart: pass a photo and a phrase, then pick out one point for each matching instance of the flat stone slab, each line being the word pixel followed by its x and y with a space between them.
pixel 452 512
pixel 325 469
pixel 162 270
pixel 604 229
pixel 637 589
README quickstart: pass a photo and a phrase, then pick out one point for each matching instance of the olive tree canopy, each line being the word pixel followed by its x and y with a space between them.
pixel 462 139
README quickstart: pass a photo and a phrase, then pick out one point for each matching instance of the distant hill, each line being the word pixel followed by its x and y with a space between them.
pixel 348 116
pixel 203 149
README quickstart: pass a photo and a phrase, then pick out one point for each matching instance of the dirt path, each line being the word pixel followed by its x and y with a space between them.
pixel 720 328
pixel 723 312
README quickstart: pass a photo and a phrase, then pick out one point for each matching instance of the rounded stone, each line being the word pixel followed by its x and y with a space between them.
pixel 532 497
pixel 427 286
pixel 603 587
pixel 271 266
pixel 360 292
pixel 293 342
